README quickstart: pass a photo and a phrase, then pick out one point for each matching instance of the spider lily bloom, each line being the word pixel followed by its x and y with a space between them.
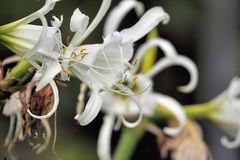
pixel 125 106
pixel 36 43
pixel 105 64
pixel 227 112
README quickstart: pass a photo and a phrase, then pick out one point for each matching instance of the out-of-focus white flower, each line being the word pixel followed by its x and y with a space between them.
pixel 227 112
pixel 126 106
pixel 104 65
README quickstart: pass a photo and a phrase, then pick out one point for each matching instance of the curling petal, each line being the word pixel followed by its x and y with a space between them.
pixel 120 11
pixel 178 60
pixel 140 108
pixel 147 22
pixel 55 104
pixel 76 40
pixel 52 70
pixel 79 21
pixel 104 139
pixel 92 108
pixel 167 48
pixel 175 108
pixel 231 144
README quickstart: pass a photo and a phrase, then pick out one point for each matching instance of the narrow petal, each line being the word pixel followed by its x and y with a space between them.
pixel 79 21
pixel 48 6
pixel 92 108
pixel 175 108
pixel 167 48
pixel 104 138
pixel 55 104
pixel 181 61
pixel 76 40
pixel 139 119
pixel 147 22
pixel 52 70
pixel 231 144
pixel 117 14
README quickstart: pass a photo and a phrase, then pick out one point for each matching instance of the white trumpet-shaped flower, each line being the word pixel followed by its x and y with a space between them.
pixel 102 66
pixel 227 112
pixel 38 44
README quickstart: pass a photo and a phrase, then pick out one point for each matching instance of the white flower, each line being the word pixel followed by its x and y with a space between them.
pixel 126 106
pixel 227 112
pixel 104 65
pixel 37 44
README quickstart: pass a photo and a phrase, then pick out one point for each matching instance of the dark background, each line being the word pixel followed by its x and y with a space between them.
pixel 207 31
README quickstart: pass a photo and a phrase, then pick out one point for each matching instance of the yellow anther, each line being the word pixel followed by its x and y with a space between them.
pixel 134 80
pixel 74 55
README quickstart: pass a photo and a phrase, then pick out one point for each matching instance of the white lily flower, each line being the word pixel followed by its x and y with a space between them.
pixel 104 65
pixel 227 113
pixel 120 105
pixel 35 43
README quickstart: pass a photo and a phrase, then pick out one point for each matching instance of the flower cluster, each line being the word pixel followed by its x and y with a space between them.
pixel 111 70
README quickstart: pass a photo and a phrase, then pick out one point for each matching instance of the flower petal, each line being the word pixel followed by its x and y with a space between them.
pixel 76 40
pixel 104 138
pixel 175 108
pixel 231 144
pixel 147 22
pixel 117 14
pixel 79 21
pixel 139 119
pixel 167 48
pixel 92 108
pixel 53 68
pixel 181 61
pixel 55 104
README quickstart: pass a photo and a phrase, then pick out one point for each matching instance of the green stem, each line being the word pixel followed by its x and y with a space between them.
pixel 19 70
pixel 127 143
pixel 196 111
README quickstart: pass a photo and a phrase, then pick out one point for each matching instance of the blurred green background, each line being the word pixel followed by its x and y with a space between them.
pixel 205 30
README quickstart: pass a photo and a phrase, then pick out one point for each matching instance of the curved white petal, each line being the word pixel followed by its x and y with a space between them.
pixel 55 104
pixel 104 138
pixel 117 14
pixel 147 22
pixel 92 108
pixel 231 144
pixel 52 70
pixel 167 48
pixel 181 61
pixel 79 21
pixel 48 6
pixel 175 107
pixel 76 40
pixel 140 108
